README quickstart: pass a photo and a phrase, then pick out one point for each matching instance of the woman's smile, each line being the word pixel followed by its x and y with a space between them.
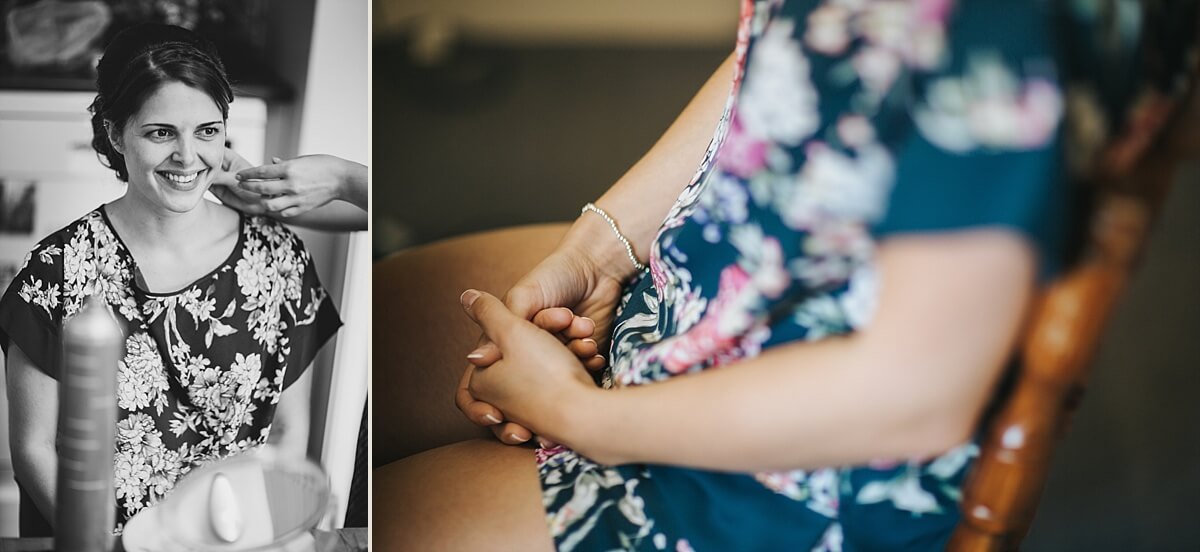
pixel 184 181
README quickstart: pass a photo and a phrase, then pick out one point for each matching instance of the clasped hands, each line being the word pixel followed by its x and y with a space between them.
pixel 525 373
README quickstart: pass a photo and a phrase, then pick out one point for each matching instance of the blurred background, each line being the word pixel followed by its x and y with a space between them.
pixel 299 69
pixel 491 114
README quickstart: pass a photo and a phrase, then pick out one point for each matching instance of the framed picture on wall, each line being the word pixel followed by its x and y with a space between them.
pixel 18 202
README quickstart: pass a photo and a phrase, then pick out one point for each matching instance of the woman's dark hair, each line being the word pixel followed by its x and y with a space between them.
pixel 136 63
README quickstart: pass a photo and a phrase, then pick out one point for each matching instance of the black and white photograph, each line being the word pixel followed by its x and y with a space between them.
pixel 184 326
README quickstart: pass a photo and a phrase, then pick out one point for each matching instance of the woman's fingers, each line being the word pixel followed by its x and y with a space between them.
pixel 484 355
pixel 477 411
pixel 581 327
pixel 554 319
pixel 512 433
pixel 493 317
pixel 265 187
pixel 274 171
pixel 595 364
pixel 583 348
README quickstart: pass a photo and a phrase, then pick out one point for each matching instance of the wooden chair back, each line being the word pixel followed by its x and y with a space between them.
pixel 1001 493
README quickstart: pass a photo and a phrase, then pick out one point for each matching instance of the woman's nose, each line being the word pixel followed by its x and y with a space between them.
pixel 185 151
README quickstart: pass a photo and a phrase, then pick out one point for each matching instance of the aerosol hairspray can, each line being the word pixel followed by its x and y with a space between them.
pixel 87 417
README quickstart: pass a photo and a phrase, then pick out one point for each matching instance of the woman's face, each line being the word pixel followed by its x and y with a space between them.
pixel 171 146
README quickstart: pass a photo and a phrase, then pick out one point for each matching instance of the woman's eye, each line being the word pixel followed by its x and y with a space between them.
pixel 209 132
pixel 160 133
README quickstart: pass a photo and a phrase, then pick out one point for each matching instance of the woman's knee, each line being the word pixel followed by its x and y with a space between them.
pixel 474 495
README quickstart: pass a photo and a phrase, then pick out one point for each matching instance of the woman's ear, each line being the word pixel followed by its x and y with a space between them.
pixel 114 137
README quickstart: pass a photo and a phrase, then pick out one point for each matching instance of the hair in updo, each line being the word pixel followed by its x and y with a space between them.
pixel 136 63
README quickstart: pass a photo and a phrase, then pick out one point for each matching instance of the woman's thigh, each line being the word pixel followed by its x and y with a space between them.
pixel 421 336
pixel 473 495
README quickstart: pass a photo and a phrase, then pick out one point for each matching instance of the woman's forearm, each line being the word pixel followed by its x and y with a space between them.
pixel 32 428
pixel 335 216
pixel 640 199
pixel 800 406
pixel 896 389
pixel 36 469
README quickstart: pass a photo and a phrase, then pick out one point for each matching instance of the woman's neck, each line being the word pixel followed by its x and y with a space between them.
pixel 172 250
pixel 144 227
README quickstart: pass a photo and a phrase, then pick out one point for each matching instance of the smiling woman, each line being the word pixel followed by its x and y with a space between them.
pixel 223 312
pixel 172 143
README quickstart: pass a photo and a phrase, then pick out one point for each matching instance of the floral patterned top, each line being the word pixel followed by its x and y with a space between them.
pixel 849 121
pixel 204 366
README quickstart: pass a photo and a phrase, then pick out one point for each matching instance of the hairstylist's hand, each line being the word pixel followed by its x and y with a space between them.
pixel 535 375
pixel 295 186
pixel 566 278
pixel 226 187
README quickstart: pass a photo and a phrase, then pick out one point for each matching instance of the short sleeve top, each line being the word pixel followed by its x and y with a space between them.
pixel 203 367
pixel 851 122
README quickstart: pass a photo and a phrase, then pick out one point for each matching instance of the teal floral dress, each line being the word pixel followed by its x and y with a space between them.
pixel 204 367
pixel 849 121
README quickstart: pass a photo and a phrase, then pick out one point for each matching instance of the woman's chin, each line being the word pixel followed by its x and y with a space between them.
pixel 177 201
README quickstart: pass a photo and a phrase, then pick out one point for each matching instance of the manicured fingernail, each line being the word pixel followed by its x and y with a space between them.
pixel 516 438
pixel 468 298
pixel 475 355
pixel 491 418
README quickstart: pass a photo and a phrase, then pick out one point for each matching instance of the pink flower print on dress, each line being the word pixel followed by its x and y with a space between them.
pixel 658 273
pixel 1024 122
pixel 990 106
pixel 742 155
pixel 717 332
pixel 828 29
pixel 770 277
pixel 855 131
pixel 932 12
pixel 877 68
pixel 545 454
pixel 786 483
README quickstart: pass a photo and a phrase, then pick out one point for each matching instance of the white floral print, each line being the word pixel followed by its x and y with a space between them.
pixel 203 367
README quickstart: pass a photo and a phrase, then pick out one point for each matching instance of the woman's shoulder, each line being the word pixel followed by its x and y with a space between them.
pixel 267 233
pixel 78 234
pixel 62 257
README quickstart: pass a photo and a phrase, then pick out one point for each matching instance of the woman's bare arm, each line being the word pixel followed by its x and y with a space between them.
pixel 32 427
pixel 911 385
pixel 640 199
pixel 289 431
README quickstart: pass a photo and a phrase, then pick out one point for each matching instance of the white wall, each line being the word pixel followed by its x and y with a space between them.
pixel 334 119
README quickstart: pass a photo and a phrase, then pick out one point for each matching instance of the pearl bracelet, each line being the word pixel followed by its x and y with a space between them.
pixel 621 237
